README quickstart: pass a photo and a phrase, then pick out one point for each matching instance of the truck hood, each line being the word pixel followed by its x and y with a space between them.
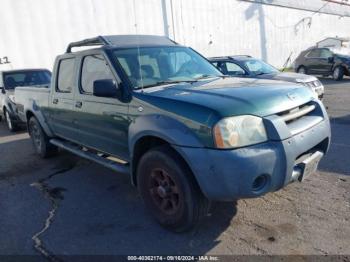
pixel 235 96
pixel 289 77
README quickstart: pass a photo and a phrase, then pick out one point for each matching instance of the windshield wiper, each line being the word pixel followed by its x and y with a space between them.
pixel 207 76
pixel 167 82
pixel 159 83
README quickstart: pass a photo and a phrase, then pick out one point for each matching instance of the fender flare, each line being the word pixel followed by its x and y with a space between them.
pixel 8 107
pixel 338 64
pixel 34 109
pixel 163 127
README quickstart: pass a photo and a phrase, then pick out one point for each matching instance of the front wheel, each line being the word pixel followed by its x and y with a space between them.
pixel 40 140
pixel 338 73
pixel 169 190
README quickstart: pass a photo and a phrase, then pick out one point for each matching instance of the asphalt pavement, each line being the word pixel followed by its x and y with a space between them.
pixel 69 206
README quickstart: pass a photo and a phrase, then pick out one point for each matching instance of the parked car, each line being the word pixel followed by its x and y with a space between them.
pixel 247 66
pixel 323 61
pixel 185 133
pixel 9 80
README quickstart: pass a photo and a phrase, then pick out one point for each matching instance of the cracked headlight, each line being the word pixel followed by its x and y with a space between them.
pixel 239 131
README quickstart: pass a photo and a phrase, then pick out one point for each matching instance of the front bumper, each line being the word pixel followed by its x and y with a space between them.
pixel 225 175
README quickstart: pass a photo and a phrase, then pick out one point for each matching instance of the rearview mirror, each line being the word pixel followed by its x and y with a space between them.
pixel 331 59
pixel 106 88
pixel 2 89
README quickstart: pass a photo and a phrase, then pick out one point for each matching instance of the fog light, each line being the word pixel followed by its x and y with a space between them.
pixel 259 183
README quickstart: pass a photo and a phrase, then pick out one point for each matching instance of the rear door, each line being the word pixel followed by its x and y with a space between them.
pixel 313 61
pixel 61 102
pixel 103 122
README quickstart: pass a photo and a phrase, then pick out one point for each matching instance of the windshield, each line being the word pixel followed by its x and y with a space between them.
pixel 26 78
pixel 151 66
pixel 259 67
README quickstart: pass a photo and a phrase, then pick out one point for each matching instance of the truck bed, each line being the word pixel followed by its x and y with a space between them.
pixel 31 97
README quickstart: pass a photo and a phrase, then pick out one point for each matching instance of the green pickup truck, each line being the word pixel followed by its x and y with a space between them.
pixel 184 132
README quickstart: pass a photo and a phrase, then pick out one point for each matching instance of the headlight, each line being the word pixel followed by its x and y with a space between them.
pixel 12 98
pixel 239 131
pixel 313 86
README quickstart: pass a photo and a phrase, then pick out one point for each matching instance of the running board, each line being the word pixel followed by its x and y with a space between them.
pixel 75 149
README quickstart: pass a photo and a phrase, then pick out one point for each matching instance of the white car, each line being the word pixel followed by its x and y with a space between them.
pixel 9 80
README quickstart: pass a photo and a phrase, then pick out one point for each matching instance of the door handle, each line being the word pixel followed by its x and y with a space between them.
pixel 78 104
pixel 55 101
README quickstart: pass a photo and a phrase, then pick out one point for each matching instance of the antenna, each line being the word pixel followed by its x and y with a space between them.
pixel 138 46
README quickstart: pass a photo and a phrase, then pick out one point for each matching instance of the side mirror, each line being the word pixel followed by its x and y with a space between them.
pixel 331 59
pixel 2 89
pixel 106 88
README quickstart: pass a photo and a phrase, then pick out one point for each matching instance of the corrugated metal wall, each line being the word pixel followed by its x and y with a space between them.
pixel 34 32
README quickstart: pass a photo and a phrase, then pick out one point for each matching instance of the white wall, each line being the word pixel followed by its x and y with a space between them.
pixel 34 32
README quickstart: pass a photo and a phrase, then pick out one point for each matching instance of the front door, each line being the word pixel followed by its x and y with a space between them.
pixel 326 64
pixel 103 122
pixel 233 69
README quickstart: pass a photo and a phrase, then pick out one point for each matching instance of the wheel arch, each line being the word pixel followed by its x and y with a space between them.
pixel 39 116
pixel 146 143
pixel 151 131
pixel 300 66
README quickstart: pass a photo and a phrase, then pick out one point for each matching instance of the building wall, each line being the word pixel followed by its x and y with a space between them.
pixel 34 32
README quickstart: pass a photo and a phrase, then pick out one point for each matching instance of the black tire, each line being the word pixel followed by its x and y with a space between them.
pixel 302 70
pixel 41 141
pixel 177 203
pixel 9 122
pixel 338 73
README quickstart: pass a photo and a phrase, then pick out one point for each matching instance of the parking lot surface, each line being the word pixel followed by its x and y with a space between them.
pixel 68 206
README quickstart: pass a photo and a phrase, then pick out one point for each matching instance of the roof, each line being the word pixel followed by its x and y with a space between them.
pixel 24 70
pixel 124 41
pixel 342 39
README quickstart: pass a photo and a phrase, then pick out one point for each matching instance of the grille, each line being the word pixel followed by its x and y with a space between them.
pixel 297 112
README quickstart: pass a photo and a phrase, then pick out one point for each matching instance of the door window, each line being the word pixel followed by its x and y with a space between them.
pixel 315 53
pixel 325 53
pixel 94 68
pixel 234 69
pixel 65 81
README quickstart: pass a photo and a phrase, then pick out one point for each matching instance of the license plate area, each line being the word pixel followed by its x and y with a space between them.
pixel 309 165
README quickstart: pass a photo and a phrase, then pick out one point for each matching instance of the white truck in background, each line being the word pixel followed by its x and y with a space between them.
pixel 11 79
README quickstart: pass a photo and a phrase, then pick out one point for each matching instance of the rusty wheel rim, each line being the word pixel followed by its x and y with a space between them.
pixel 164 192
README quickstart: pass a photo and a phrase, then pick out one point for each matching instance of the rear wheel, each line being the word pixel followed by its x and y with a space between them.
pixel 10 124
pixel 302 70
pixel 40 140
pixel 169 190
pixel 338 73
